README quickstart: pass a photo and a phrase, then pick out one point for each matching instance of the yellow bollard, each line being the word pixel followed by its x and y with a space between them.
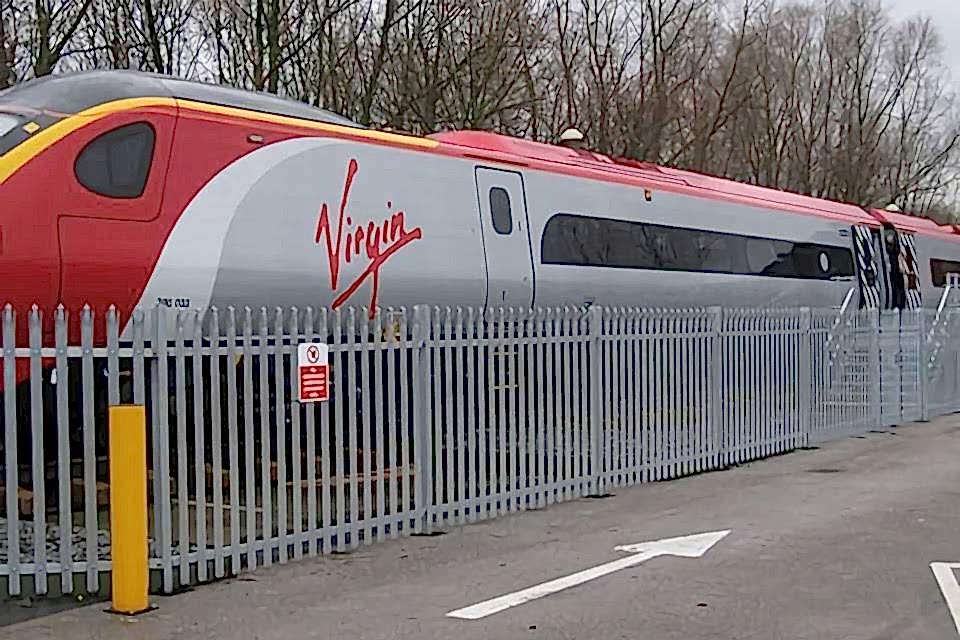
pixel 128 510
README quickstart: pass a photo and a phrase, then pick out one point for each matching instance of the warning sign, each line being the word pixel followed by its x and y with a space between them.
pixel 313 372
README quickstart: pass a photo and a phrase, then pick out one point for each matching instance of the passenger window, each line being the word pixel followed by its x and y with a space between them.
pixel 603 242
pixel 500 211
pixel 117 163
pixel 764 255
pixel 942 270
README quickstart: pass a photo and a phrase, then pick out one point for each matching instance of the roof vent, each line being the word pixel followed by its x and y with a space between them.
pixel 572 138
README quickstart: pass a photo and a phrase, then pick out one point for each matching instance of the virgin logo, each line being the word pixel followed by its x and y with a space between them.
pixel 376 242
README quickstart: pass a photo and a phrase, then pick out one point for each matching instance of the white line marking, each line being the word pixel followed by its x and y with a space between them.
pixel 687 546
pixel 947 579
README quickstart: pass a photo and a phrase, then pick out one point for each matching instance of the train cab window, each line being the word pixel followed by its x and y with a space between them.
pixel 117 164
pixel 500 211
pixel 7 123
pixel 940 270
pixel 11 134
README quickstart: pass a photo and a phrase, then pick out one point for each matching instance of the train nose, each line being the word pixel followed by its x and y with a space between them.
pixel 29 259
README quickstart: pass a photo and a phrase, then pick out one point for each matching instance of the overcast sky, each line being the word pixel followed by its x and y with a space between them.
pixel 945 15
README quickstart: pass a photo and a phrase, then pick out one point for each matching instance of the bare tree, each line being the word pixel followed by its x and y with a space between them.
pixel 53 25
pixel 164 32
pixel 256 41
pixel 8 45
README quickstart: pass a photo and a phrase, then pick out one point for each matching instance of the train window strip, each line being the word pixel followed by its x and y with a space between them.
pixel 604 242
pixel 941 270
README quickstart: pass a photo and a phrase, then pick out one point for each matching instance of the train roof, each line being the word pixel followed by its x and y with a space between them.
pixel 590 164
pixel 72 93
pixel 58 96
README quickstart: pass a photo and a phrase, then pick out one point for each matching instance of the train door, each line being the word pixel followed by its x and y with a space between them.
pixel 899 337
pixel 900 269
pixel 109 199
pixel 869 269
pixel 506 238
pixel 910 270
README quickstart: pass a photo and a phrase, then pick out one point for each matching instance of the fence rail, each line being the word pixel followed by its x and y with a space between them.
pixel 437 417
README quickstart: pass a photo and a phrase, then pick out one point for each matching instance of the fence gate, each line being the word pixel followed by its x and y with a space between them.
pixel 941 363
pixel 899 347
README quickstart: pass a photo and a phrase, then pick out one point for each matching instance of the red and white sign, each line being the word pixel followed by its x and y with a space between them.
pixel 313 372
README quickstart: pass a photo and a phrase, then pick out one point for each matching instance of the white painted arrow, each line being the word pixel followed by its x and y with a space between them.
pixel 947 579
pixel 686 546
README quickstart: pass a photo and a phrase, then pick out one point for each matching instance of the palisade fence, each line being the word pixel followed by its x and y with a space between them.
pixel 437 417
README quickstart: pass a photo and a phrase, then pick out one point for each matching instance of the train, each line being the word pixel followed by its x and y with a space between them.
pixel 132 190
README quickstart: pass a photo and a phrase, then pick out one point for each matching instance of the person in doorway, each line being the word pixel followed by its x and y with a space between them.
pixel 898 292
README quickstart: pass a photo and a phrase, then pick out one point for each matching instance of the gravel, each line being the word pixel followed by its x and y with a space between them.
pixel 78 543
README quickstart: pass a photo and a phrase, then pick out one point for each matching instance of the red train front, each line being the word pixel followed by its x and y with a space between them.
pixel 87 197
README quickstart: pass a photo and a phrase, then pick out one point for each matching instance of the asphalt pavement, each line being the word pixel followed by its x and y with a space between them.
pixel 829 543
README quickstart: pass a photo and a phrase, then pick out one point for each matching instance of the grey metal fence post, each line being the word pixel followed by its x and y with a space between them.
pixel 923 353
pixel 719 441
pixel 950 337
pixel 423 425
pixel 11 462
pixel 160 427
pixel 875 320
pixel 595 329
pixel 902 346
pixel 805 377
pixel 37 472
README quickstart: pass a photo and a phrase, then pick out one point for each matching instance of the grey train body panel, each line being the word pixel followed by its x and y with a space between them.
pixel 550 194
pixel 932 248
pixel 404 227
pixel 271 245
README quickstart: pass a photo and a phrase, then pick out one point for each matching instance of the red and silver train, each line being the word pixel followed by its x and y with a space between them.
pixel 131 189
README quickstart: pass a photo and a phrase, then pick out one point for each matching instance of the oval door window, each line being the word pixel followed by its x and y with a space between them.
pixel 500 211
